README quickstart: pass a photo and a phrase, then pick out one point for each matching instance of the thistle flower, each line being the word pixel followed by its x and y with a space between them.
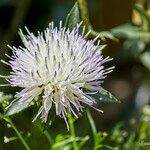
pixel 60 65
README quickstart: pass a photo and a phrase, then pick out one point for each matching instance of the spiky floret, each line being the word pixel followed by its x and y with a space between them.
pixel 58 64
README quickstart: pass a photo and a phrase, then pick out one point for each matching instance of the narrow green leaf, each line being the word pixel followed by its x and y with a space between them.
pixel 83 141
pixel 93 127
pixel 108 35
pixel 64 142
pixel 105 96
pixel 106 147
pixel 16 107
pixel 73 18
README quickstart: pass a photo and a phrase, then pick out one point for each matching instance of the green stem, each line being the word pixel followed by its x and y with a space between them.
pixel 19 135
pixel 16 130
pixel 141 134
pixel 93 127
pixel 48 136
pixel 72 130
pixel 85 17
pixel 84 13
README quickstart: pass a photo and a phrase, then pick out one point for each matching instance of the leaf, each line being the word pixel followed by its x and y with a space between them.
pixel 62 143
pixel 129 31
pixel 17 106
pixel 105 96
pixel 103 35
pixel 108 35
pixel 83 141
pixel 93 127
pixel 73 18
pixel 145 59
pixel 132 49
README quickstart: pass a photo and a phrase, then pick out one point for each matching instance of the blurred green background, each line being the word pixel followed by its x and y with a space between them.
pixel 129 82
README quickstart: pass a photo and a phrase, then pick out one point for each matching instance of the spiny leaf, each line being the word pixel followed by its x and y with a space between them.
pixel 73 18
pixel 105 96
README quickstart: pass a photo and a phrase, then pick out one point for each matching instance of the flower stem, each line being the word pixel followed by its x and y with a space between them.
pixel 72 130
pixel 16 130
pixel 93 127
pixel 84 13
pixel 85 17
pixel 19 135
pixel 47 134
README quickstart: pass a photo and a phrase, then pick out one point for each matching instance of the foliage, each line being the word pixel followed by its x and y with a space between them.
pixel 119 137
pixel 136 35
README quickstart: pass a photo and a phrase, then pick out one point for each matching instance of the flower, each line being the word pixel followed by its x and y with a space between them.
pixel 60 65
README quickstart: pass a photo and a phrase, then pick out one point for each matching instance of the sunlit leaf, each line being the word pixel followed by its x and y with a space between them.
pixel 83 141
pixel 73 18
pixel 17 106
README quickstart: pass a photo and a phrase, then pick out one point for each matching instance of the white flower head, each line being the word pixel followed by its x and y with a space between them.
pixel 60 65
